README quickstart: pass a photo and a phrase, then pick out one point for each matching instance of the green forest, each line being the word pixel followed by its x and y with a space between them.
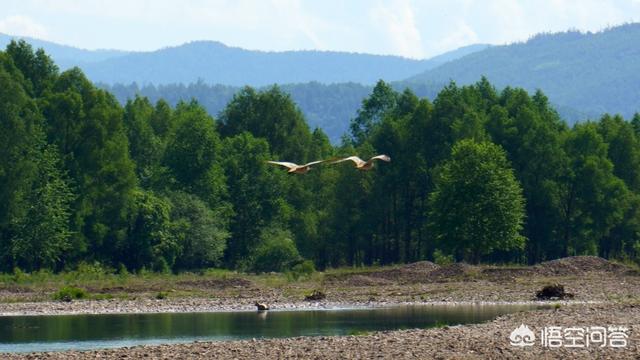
pixel 477 175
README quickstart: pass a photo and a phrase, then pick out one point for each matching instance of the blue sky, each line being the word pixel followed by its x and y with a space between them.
pixel 416 29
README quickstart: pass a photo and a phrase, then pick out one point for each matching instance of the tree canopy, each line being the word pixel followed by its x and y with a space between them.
pixel 476 173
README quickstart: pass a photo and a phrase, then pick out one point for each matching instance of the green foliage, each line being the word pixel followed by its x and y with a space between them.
pixel 441 258
pixel 256 191
pixel 200 232
pixel 87 271
pixel 69 293
pixel 477 174
pixel 42 234
pixel 86 125
pixel 271 115
pixel 382 100
pixel 37 67
pixel 303 269
pixel 276 252
pixel 560 63
pixel 593 198
pixel 192 152
pixel 149 242
pixel 477 206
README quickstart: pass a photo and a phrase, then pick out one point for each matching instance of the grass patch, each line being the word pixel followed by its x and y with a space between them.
pixel 69 293
pixel 440 324
pixel 358 332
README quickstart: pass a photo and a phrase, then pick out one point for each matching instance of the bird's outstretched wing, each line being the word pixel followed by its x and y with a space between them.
pixel 314 162
pixel 381 157
pixel 283 163
pixel 355 159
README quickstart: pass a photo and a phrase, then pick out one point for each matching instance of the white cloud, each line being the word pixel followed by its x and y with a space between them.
pixel 22 26
pixel 412 28
pixel 398 22
pixel 461 36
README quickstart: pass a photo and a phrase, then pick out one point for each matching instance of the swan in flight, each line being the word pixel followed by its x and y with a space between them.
pixel 295 168
pixel 361 164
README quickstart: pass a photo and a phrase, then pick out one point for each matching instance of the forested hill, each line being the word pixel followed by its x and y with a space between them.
pixel 329 107
pixel 594 72
pixel 217 63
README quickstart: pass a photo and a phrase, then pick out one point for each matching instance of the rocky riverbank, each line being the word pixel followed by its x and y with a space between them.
pixel 481 341
pixel 604 294
pixel 588 279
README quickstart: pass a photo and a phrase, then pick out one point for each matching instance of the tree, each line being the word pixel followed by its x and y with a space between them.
pixel 593 199
pixel 192 154
pixel 276 252
pixel 21 137
pixel 42 233
pixel 200 232
pixel 382 101
pixel 477 206
pixel 148 242
pixel 145 147
pixel 37 67
pixel 257 193
pixel 86 124
pixel 271 115
pixel 530 132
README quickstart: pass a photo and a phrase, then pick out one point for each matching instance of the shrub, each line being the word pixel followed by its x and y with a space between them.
pixel 122 270
pixel 69 293
pixel 19 276
pixel 89 271
pixel 315 296
pixel 441 258
pixel 161 295
pixel 277 252
pixel 303 269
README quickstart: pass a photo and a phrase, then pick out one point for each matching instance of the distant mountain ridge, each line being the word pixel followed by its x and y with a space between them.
pixel 590 72
pixel 583 74
pixel 216 63
pixel 65 56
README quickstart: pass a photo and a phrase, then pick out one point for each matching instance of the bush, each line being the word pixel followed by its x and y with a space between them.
pixel 122 270
pixel 161 295
pixel 303 269
pixel 315 296
pixel 19 276
pixel 277 252
pixel 441 258
pixel 89 271
pixel 69 293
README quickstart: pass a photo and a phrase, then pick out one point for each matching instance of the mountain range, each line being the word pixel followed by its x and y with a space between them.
pixel 590 72
pixel 584 74
pixel 216 63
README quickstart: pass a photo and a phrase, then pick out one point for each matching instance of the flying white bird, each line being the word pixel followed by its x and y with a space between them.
pixel 361 164
pixel 295 168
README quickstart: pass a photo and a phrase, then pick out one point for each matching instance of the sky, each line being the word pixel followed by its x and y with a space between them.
pixel 409 28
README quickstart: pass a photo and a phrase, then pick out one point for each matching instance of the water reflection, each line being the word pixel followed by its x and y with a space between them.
pixel 50 333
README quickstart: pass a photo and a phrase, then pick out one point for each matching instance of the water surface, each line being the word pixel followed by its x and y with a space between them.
pixel 83 332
